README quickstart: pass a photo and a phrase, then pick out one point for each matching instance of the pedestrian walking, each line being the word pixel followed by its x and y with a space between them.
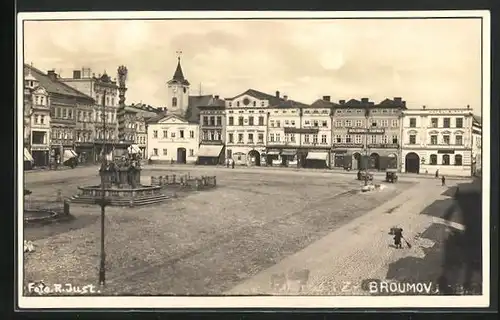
pixel 437 174
pixel 232 164
pixel 398 235
pixel 443 181
pixel 227 163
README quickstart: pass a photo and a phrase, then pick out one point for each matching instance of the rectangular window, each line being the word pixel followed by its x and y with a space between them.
pixel 271 137
pixel 278 137
pixel 446 159
pixel 434 139
pixel 250 121
pixel 172 135
pixel 446 122
pixel 459 140
pixel 446 139
pixel 434 122
pixel 165 152
pixel 306 138
pixel 212 121
pixel 316 123
pixel 42 119
pixel 359 123
pixel 323 139
pixel 373 139
pixel 230 121
pixel 413 122
pixel 413 139
pixel 191 134
pixel 64 113
pixel 394 139
pixel 348 123
pixel 261 121
pixel 459 122
pixel 384 123
pixel 205 121
pixel 219 121
pixel 181 134
pixel 315 138
pixel 191 152
pixel 250 138
pixel 261 138
pixel 58 112
pixel 231 138
pixel 358 138
pixel 292 138
pixel 394 123
pixel 155 152
pixel 165 133
pixel 240 138
pixel 385 139
pixel 292 122
pixel 240 121
pixel 271 123
pixel 278 123
pixel 70 114
pixel 338 138
pixel 348 138
pixel 155 134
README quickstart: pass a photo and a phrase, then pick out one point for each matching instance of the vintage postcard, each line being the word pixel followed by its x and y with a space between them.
pixel 253 159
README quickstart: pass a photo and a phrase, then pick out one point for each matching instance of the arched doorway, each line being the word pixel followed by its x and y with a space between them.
pixel 356 161
pixel 181 155
pixel 254 158
pixel 412 163
pixel 375 161
pixel 392 162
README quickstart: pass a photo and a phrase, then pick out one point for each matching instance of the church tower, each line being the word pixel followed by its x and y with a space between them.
pixel 178 92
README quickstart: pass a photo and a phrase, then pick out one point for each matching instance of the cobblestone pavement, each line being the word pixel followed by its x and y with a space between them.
pixel 346 260
pixel 204 243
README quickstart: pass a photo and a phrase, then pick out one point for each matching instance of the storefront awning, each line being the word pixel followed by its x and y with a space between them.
pixel 288 152
pixel 317 156
pixel 69 153
pixel 134 149
pixel 27 156
pixel 273 152
pixel 209 151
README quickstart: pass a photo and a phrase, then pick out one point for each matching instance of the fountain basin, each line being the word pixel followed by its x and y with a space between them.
pixel 32 216
pixel 125 196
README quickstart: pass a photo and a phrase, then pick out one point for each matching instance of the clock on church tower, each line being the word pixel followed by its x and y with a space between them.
pixel 178 92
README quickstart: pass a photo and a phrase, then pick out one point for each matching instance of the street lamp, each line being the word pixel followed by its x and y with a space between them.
pixel 102 201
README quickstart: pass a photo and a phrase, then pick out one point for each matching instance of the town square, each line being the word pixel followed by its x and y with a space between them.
pixel 142 180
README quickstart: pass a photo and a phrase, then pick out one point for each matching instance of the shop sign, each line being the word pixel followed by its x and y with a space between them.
pixel 383 145
pixel 446 151
pixel 347 145
pixel 366 131
pixel 39 148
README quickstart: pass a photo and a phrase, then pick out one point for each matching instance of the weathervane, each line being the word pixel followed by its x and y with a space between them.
pixel 179 53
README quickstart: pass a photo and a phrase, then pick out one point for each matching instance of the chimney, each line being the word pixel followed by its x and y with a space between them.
pixel 326 98
pixel 216 97
pixel 468 106
pixel 285 97
pixel 52 74
pixel 423 107
pixel 397 99
pixel 77 74
pixel 341 101
pixel 364 100
pixel 277 94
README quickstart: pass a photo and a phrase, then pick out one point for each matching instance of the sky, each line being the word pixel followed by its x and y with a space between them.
pixel 432 62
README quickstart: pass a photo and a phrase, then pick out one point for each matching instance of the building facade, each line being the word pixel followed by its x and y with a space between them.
pixel 64 101
pixel 142 114
pixel 247 125
pixel 438 140
pixel 172 139
pixel 104 91
pixel 212 132
pixel 363 128
pixel 477 154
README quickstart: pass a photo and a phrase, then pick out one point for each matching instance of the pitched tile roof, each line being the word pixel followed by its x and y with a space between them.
pixel 193 111
pixel 55 86
pixel 320 103
pixel 273 100
pixel 389 103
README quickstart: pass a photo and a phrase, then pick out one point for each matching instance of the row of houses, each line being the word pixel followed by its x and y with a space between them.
pixel 257 128
pixel 79 115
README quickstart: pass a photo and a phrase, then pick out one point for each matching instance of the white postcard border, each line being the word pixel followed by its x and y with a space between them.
pixel 262 301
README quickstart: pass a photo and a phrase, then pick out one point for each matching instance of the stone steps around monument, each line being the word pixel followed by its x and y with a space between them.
pixel 139 201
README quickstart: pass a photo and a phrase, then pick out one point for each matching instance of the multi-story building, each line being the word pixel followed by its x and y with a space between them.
pixel 36 121
pixel 299 134
pixel 104 91
pixel 246 126
pixel 438 140
pixel 172 138
pixel 212 132
pixel 363 128
pixel 64 103
pixel 477 158
pixel 142 114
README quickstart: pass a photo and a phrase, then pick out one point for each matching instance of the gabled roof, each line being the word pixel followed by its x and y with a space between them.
pixel 165 116
pixel 55 86
pixel 320 103
pixel 179 75
pixel 193 112
pixel 273 100
pixel 389 103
